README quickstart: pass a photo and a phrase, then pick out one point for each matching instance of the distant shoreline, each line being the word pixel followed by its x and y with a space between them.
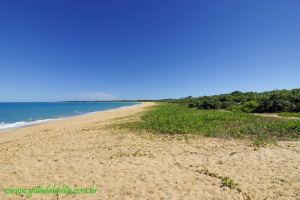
pixel 117 101
pixel 6 126
pixel 74 120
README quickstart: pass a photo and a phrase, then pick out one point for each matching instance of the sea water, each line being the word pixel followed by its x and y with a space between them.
pixel 14 115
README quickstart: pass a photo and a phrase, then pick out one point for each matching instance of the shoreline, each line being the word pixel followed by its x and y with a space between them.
pixel 71 122
pixel 43 121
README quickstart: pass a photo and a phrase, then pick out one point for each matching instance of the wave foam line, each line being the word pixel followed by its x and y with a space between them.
pixel 21 124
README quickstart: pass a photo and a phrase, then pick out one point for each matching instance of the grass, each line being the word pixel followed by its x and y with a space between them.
pixel 289 114
pixel 263 140
pixel 228 182
pixel 176 119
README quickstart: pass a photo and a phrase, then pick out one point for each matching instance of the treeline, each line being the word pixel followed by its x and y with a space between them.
pixel 272 101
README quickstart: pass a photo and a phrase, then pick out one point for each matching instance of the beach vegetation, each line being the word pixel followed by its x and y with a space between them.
pixel 228 182
pixel 249 102
pixel 289 114
pixel 170 118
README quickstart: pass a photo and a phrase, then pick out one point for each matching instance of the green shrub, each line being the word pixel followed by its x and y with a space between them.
pixel 273 101
pixel 250 106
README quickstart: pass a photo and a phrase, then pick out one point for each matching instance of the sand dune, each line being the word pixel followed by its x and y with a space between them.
pixel 84 150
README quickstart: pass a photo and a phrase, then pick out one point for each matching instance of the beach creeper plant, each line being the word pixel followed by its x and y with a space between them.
pixel 169 118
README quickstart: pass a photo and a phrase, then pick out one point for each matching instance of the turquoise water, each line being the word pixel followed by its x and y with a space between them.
pixel 21 114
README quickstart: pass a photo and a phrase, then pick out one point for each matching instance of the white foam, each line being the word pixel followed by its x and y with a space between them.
pixel 4 126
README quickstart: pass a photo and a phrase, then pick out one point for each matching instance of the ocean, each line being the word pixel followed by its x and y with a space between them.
pixel 21 114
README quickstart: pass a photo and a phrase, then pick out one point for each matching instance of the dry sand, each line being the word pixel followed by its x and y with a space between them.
pixel 84 150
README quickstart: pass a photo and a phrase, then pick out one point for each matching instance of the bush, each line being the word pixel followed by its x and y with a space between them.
pixel 273 101
pixel 209 104
pixel 250 106
pixel 228 104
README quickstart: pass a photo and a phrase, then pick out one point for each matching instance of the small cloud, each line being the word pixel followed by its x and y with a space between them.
pixel 92 96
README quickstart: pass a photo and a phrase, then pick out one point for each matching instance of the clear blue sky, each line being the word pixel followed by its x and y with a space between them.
pixel 86 49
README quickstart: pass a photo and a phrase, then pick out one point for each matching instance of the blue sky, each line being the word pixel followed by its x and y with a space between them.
pixel 73 49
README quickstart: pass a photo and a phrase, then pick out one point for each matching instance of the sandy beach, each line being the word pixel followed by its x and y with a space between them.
pixel 88 150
